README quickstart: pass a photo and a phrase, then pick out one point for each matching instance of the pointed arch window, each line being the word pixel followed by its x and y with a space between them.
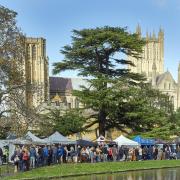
pixel 28 52
pixel 33 52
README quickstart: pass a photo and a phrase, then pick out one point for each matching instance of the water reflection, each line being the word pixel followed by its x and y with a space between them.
pixel 158 174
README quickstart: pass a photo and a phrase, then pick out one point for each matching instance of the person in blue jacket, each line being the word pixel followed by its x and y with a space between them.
pixel 45 155
pixel 60 153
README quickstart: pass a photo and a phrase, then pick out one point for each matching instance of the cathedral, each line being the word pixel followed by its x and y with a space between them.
pixel 151 64
pixel 59 90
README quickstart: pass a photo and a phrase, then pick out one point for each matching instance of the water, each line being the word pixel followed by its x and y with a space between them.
pixel 156 174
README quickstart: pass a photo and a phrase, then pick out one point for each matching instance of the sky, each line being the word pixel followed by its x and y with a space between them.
pixel 54 20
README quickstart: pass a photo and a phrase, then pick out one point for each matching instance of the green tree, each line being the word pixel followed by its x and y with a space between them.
pixel 11 61
pixel 139 108
pixel 13 107
pixel 65 122
pixel 177 122
pixel 142 109
pixel 99 53
pixel 150 114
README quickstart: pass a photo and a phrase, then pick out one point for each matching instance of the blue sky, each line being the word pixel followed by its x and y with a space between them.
pixel 55 19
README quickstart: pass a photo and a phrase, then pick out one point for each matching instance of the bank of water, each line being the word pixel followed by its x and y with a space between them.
pixel 155 174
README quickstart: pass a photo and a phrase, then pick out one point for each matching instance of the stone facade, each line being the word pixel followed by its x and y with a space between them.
pixel 153 51
pixel 151 64
pixel 36 72
pixel 61 91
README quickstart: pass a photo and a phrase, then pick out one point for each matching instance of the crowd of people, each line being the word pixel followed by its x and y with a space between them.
pixel 28 157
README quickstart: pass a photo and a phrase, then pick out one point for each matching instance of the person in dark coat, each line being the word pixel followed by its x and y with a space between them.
pixel 1 156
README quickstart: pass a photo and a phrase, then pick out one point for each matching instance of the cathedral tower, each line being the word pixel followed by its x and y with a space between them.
pixel 153 51
pixel 36 72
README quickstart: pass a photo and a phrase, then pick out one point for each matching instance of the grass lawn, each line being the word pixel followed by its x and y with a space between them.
pixel 87 168
pixel 6 169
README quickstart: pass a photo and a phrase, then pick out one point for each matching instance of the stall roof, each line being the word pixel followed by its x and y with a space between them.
pixel 122 140
pixel 59 138
pixel 31 137
pixel 142 141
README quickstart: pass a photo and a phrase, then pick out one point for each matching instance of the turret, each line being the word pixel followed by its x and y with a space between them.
pixel 161 34
pixel 138 30
pixel 161 47
pixel 154 74
pixel 147 36
pixel 154 35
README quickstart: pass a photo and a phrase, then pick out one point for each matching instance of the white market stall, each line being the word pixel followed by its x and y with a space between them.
pixel 34 139
pixel 58 138
pixel 123 141
pixel 28 139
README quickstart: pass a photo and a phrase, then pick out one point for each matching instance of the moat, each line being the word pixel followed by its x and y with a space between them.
pixel 155 174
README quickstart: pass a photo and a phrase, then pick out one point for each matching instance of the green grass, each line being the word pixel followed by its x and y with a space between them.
pixel 6 169
pixel 87 168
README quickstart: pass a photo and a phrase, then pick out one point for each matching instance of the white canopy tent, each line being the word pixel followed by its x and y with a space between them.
pixel 29 138
pixel 58 138
pixel 34 139
pixel 121 140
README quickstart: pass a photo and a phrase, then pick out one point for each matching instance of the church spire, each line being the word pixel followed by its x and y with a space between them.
pixel 161 34
pixel 138 30
pixel 147 35
pixel 154 35
pixel 179 67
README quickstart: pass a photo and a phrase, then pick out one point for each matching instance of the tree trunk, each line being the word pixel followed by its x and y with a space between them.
pixel 102 122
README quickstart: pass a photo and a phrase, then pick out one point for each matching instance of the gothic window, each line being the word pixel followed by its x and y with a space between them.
pixel 44 49
pixel 28 52
pixel 33 52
